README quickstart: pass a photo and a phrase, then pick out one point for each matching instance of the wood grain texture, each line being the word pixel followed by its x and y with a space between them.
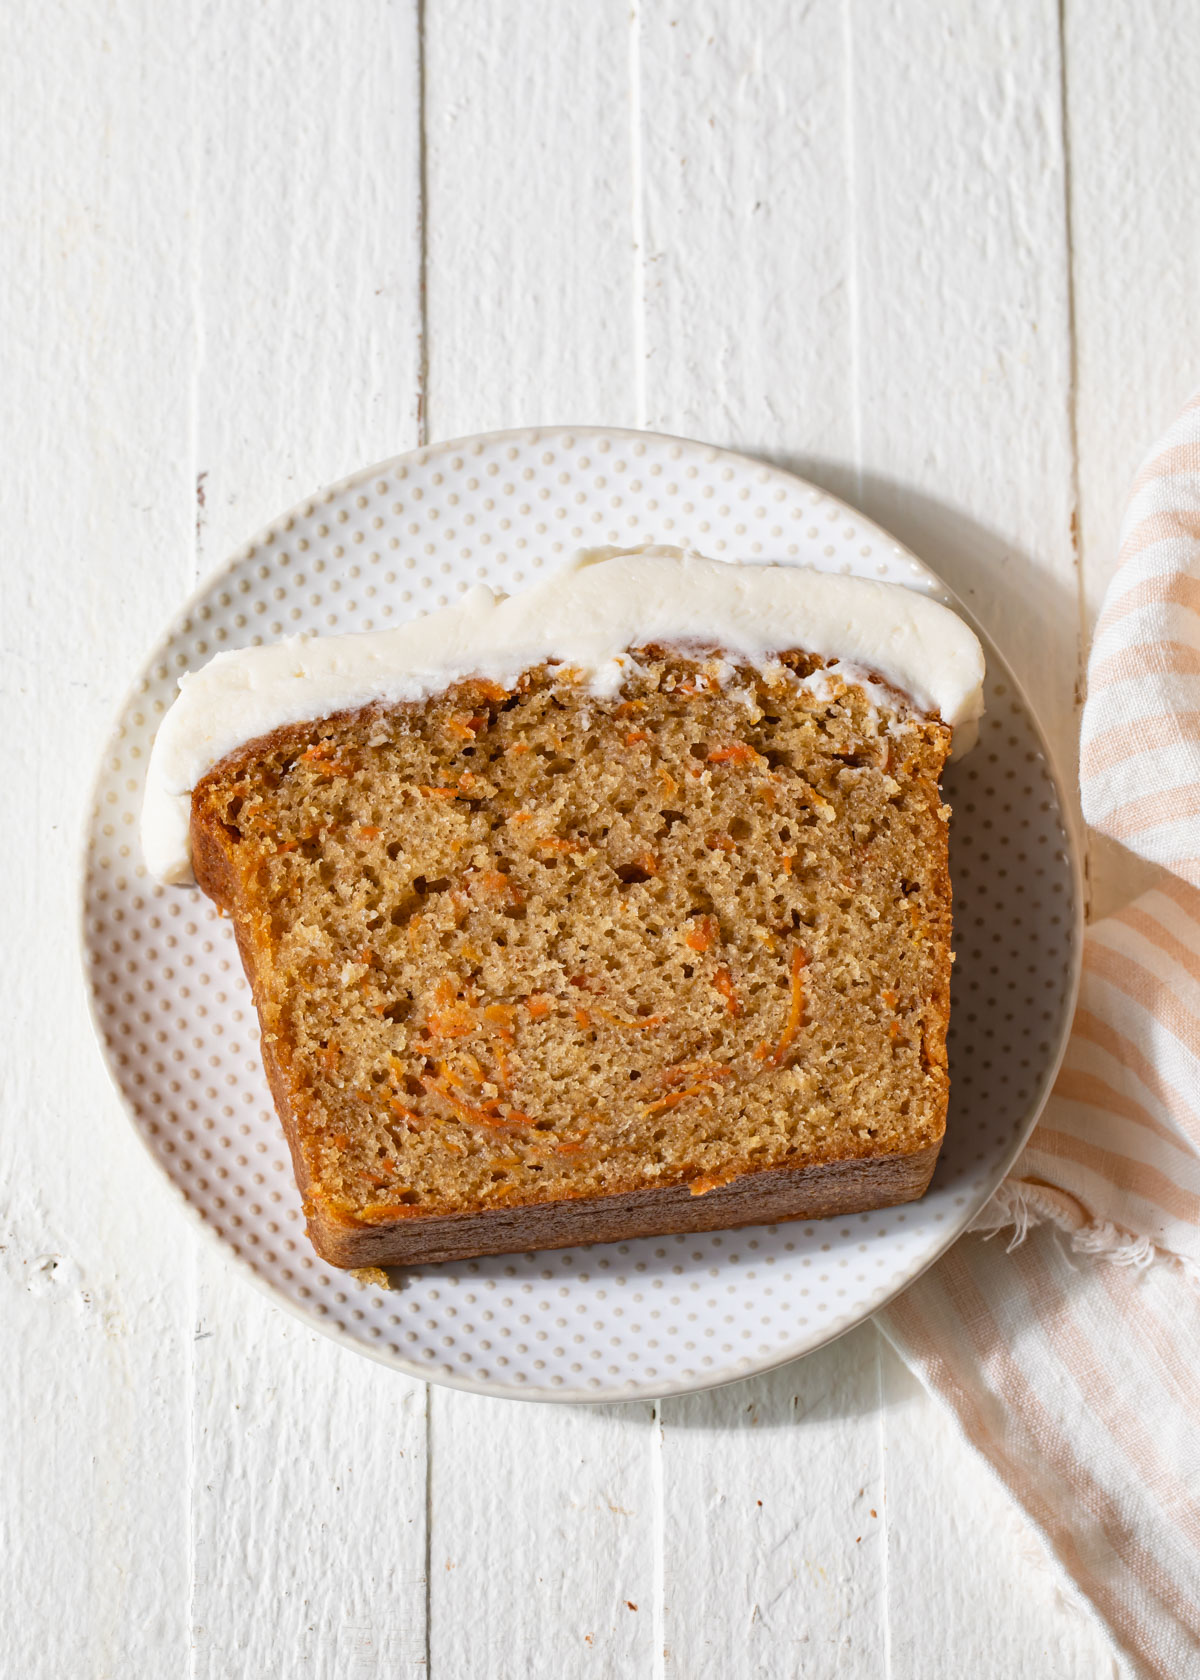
pixel 309 220
pixel 529 179
pixel 837 235
pixel 95 501
pixel 965 1571
pixel 542 1550
pixel 308 1502
pixel 747 273
pixel 774 1532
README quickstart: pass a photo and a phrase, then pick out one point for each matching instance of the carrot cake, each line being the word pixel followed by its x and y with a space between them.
pixel 616 907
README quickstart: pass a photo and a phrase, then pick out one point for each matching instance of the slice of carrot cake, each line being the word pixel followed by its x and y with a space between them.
pixel 620 906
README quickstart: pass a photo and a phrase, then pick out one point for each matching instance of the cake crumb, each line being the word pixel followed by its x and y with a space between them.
pixel 371 1277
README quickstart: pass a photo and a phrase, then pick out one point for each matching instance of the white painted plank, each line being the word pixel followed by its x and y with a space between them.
pixel 309 218
pixel 1132 98
pixel 774 1535
pixel 96 360
pixel 527 117
pixel 309 1502
pixel 988 1594
pixel 747 269
pixel 308 1462
pixel 542 1547
pixel 963 355
pixel 543 1516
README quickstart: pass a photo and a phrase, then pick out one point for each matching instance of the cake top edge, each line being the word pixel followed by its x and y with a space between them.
pixel 587 614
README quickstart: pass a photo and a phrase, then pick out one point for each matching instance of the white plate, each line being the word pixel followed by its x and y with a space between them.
pixel 614 1321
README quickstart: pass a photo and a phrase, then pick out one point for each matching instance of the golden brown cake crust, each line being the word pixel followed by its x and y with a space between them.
pixel 712 1178
pixel 768 1196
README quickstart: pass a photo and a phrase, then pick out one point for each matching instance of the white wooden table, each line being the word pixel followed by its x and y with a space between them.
pixel 939 257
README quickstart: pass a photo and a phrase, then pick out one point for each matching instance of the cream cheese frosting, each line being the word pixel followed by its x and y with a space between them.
pixel 588 615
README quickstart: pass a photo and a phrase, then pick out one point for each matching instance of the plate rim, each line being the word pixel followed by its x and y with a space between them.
pixel 623 1394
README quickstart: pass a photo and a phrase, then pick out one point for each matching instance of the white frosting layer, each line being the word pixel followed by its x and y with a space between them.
pixel 588 614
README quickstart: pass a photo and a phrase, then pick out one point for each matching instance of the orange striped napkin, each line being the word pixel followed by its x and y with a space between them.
pixel 1069 1349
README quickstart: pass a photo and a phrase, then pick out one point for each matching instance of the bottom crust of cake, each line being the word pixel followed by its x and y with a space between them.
pixel 819 1190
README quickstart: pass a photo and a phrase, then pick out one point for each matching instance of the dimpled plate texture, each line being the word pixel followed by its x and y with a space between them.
pixel 612 1321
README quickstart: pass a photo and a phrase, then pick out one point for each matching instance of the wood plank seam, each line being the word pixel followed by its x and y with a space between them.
pixel 422 79
pixel 1081 645
pixel 658 1543
pixel 638 314
pixel 853 311
pixel 637 217
pixel 886 1536
pixel 422 232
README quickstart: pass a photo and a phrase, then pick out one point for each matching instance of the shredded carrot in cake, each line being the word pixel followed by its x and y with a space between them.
pixel 634 1026
pixel 676 1097
pixel 738 752
pixel 712 1181
pixel 480 1114
pixel 494 881
pixel 723 981
pixel 403 1112
pixel 318 755
pixel 452 1018
pixel 799 963
pixel 703 934
pixel 679 1071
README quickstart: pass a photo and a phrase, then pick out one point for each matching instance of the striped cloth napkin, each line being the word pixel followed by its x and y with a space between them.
pixel 1069 1347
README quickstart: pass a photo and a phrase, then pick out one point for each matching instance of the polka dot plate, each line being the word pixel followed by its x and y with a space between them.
pixel 612 1321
